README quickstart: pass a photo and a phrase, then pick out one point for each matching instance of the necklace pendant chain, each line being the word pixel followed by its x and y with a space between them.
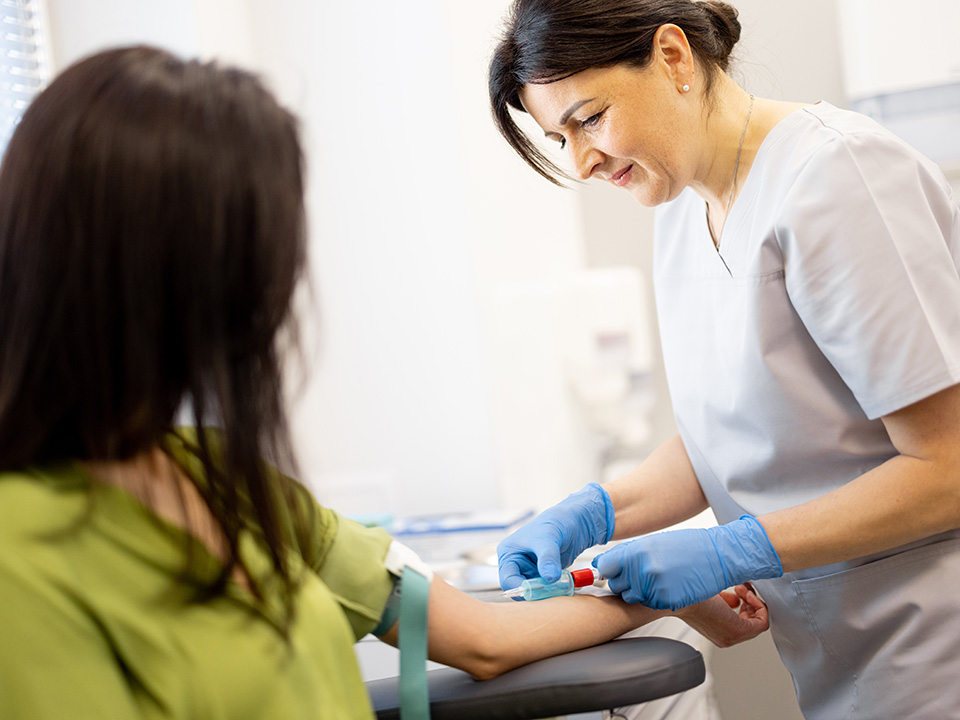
pixel 736 166
pixel 736 169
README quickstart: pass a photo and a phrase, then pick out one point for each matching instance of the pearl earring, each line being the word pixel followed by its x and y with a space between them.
pixel 686 88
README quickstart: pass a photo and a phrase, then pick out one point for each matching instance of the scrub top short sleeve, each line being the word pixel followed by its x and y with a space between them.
pixel 834 299
pixel 868 270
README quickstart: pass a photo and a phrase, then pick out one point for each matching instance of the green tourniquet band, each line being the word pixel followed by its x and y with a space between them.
pixel 414 693
pixel 391 611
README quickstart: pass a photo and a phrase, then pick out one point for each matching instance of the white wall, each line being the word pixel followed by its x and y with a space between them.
pixel 79 28
pixel 419 215
pixel 399 394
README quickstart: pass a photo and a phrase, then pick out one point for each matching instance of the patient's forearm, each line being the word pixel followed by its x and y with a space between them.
pixel 486 639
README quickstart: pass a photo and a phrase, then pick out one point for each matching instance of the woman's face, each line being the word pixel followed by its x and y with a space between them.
pixel 631 127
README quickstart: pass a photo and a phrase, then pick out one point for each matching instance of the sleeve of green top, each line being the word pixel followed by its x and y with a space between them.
pixel 348 557
pixel 54 661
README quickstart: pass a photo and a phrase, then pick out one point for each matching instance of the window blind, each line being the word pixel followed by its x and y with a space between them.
pixel 22 64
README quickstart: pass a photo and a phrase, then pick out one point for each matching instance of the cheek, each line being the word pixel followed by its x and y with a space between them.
pixel 628 147
pixel 668 167
pixel 655 152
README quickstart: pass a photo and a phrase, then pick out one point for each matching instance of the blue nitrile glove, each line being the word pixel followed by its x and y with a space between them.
pixel 673 569
pixel 554 538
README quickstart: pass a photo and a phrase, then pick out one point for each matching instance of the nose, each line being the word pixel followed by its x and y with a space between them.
pixel 586 159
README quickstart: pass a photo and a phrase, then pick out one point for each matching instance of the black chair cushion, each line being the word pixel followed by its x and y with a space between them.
pixel 617 673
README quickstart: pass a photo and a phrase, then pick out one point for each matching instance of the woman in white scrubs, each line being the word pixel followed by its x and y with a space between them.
pixel 808 295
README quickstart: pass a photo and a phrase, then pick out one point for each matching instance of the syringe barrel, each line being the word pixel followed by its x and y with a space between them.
pixel 538 589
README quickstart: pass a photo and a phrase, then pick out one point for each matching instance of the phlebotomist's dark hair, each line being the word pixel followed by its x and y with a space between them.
pixel 548 40
pixel 151 237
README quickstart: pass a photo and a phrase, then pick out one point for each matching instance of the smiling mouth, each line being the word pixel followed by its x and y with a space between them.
pixel 621 177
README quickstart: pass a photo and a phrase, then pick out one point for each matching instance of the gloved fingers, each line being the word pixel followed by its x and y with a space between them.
pixel 615 566
pixel 516 559
pixel 548 560
pixel 553 539
pixel 628 592
pixel 513 570
pixel 610 563
pixel 673 569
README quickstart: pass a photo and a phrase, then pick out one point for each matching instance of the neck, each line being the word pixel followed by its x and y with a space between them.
pixel 138 475
pixel 724 129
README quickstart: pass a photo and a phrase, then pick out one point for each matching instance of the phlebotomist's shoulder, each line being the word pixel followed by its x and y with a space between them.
pixel 833 121
pixel 823 129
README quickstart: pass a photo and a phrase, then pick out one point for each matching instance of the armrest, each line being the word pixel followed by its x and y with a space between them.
pixel 617 673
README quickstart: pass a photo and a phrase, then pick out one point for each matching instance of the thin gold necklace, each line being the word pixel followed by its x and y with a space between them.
pixel 733 184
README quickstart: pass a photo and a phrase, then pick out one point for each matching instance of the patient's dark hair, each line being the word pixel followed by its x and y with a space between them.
pixel 151 236
pixel 548 40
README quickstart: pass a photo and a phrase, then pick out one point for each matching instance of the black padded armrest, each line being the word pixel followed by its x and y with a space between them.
pixel 617 673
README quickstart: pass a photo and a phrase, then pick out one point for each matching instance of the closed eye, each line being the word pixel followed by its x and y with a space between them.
pixel 592 120
pixel 557 137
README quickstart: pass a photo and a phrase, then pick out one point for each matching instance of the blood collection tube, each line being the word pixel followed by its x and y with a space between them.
pixel 537 589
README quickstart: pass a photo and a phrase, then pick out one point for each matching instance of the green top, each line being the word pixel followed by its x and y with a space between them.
pixel 96 620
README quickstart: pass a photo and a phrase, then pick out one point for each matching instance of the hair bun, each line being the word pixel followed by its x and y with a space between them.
pixel 726 26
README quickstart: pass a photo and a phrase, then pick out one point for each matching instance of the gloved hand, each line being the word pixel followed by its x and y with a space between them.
pixel 553 539
pixel 677 568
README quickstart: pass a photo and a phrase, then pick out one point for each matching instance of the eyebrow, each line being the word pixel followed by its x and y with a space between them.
pixel 572 109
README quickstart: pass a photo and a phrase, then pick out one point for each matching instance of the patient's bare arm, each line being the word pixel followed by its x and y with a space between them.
pixel 486 639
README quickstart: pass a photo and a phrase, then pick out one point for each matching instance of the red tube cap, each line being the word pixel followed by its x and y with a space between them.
pixel 584 577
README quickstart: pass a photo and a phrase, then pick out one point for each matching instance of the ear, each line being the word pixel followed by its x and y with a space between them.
pixel 672 53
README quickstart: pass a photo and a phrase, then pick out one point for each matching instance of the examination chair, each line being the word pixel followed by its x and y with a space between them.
pixel 621 672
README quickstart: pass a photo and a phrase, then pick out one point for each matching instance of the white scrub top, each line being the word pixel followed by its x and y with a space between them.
pixel 834 299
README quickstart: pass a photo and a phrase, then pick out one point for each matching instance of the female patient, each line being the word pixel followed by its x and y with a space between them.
pixel 151 236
